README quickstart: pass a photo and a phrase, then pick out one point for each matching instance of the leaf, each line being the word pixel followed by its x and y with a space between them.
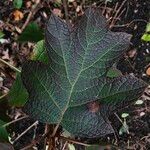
pixel 115 94
pixel 1 34
pixel 3 132
pixel 70 89
pixel 84 123
pixel 148 27
pixel 39 52
pixel 17 4
pixel 122 89
pixel 146 37
pixel 18 94
pixel 31 33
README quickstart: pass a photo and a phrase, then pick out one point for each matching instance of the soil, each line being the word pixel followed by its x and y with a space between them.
pixel 132 18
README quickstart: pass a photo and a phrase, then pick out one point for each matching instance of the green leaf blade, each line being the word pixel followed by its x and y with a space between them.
pixel 18 94
pixel 85 123
pixel 17 4
pixel 32 33
pixel 79 59
pixel 3 131
pixel 43 84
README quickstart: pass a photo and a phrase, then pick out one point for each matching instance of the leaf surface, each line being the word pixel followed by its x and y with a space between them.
pixel 85 121
pixel 3 131
pixel 75 77
pixel 17 4
pixel 18 94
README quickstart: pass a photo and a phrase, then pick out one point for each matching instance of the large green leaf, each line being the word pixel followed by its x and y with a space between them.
pixel 69 89
pixel 18 94
pixel 91 120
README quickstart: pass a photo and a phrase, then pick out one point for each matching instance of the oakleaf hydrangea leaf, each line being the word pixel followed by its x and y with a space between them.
pixel 72 90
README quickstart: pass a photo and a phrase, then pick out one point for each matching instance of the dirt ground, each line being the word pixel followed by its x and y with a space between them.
pixel 129 16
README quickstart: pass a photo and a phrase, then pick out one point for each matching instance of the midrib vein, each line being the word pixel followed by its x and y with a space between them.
pixel 73 85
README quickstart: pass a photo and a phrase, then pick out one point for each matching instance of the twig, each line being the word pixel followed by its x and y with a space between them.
pixel 128 24
pixel 36 142
pixel 2 96
pixel 7 74
pixel 55 130
pixel 121 13
pixel 61 137
pixel 11 122
pixel 32 12
pixel 45 131
pixel 66 11
pixel 34 124
pixel 115 16
pixel 73 141
pixel 12 67
pixel 65 145
pixel 50 139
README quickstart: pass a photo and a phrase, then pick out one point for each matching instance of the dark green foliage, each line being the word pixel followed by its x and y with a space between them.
pixel 3 131
pixel 17 3
pixel 72 90
pixel 32 33
pixel 18 94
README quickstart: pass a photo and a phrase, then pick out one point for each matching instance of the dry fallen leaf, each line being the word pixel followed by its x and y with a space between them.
pixel 148 71
pixel 18 15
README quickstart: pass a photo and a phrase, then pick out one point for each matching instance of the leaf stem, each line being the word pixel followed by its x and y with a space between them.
pixel 12 67
pixel 121 122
